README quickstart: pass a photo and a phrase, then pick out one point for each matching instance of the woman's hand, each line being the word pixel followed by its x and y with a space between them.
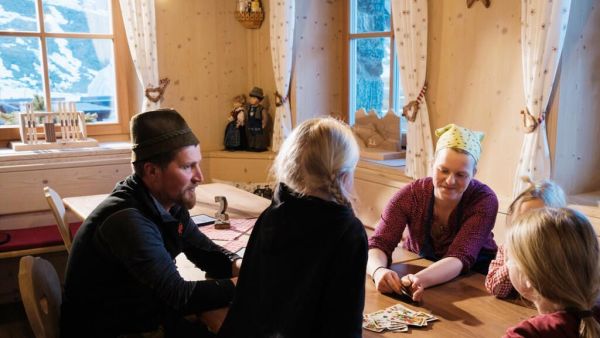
pixel 413 287
pixel 387 281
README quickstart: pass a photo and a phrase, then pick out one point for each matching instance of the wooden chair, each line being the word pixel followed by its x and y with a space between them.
pixel 58 209
pixel 41 294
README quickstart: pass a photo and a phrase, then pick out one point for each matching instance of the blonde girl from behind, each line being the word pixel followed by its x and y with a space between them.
pixel 307 253
pixel 318 159
pixel 553 260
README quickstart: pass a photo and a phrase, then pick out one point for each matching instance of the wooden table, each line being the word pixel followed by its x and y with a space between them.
pixel 242 204
pixel 463 306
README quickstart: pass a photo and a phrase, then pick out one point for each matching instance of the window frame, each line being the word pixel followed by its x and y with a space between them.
pixel 120 54
pixel 348 78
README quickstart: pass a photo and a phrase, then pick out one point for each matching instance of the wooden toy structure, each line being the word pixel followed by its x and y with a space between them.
pixel 378 138
pixel 53 130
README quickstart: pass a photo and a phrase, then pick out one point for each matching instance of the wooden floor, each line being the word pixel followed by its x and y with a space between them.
pixel 13 321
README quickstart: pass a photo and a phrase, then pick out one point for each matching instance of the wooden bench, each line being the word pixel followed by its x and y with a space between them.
pixel 34 241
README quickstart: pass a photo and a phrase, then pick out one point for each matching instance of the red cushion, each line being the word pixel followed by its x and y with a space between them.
pixel 29 238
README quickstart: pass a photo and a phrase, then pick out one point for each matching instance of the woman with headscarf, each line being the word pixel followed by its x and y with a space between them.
pixel 449 217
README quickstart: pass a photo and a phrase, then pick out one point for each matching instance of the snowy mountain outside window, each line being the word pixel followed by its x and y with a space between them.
pixel 63 51
pixel 374 79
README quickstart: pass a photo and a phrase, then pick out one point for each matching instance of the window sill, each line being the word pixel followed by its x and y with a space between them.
pixel 105 153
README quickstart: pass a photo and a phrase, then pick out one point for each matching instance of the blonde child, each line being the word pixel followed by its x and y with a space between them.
pixel 537 195
pixel 304 268
pixel 553 261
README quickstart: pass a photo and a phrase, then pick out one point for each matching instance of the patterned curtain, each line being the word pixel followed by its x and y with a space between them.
pixel 410 32
pixel 543 27
pixel 282 41
pixel 140 27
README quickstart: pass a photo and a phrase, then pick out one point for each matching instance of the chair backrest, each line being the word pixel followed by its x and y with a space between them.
pixel 58 209
pixel 41 294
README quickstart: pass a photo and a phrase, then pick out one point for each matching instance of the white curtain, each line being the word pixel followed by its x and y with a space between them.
pixel 282 20
pixel 410 32
pixel 140 27
pixel 543 27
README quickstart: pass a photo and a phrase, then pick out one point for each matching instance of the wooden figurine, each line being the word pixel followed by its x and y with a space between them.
pixel 222 217
pixel 235 133
pixel 256 121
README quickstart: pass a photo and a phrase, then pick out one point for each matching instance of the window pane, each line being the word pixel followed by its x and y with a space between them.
pixel 20 76
pixel 77 16
pixel 370 16
pixel 18 15
pixel 82 71
pixel 370 74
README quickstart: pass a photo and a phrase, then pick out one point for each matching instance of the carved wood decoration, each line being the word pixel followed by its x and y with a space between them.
pixel 155 94
pixel 222 217
pixel 280 100
pixel 486 3
pixel 410 110
pixel 530 123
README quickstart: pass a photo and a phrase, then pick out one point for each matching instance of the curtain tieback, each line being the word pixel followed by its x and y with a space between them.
pixel 155 94
pixel 280 100
pixel 530 123
pixel 410 110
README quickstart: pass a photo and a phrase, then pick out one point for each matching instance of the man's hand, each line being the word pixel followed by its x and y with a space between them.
pixel 414 286
pixel 387 281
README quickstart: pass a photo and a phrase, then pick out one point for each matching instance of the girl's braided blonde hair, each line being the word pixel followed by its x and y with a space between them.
pixel 319 155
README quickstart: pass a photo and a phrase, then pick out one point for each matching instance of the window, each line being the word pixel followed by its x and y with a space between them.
pixel 54 51
pixel 373 73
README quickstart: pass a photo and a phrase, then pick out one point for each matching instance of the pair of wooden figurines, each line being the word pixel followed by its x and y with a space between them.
pixel 247 123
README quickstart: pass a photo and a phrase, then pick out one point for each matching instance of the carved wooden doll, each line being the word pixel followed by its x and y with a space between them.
pixel 256 121
pixel 235 134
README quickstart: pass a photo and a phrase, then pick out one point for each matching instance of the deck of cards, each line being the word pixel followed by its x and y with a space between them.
pixel 395 318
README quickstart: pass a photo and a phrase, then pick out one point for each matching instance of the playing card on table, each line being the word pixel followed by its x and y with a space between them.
pixel 395 318
pixel 415 314
pixel 371 325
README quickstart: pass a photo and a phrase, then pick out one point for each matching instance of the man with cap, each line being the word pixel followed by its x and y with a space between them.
pixel 256 121
pixel 449 217
pixel 121 276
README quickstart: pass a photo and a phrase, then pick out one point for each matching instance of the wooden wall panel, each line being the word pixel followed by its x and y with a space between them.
pixel 244 167
pixel 23 190
pixel 372 198
pixel 204 51
pixel 319 59
pixel 71 173
pixel 374 186
pixel 474 76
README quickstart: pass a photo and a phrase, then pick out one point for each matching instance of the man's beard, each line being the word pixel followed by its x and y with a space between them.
pixel 188 198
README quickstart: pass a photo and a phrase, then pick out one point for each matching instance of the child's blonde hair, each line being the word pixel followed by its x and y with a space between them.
pixel 550 193
pixel 557 251
pixel 240 99
pixel 319 155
